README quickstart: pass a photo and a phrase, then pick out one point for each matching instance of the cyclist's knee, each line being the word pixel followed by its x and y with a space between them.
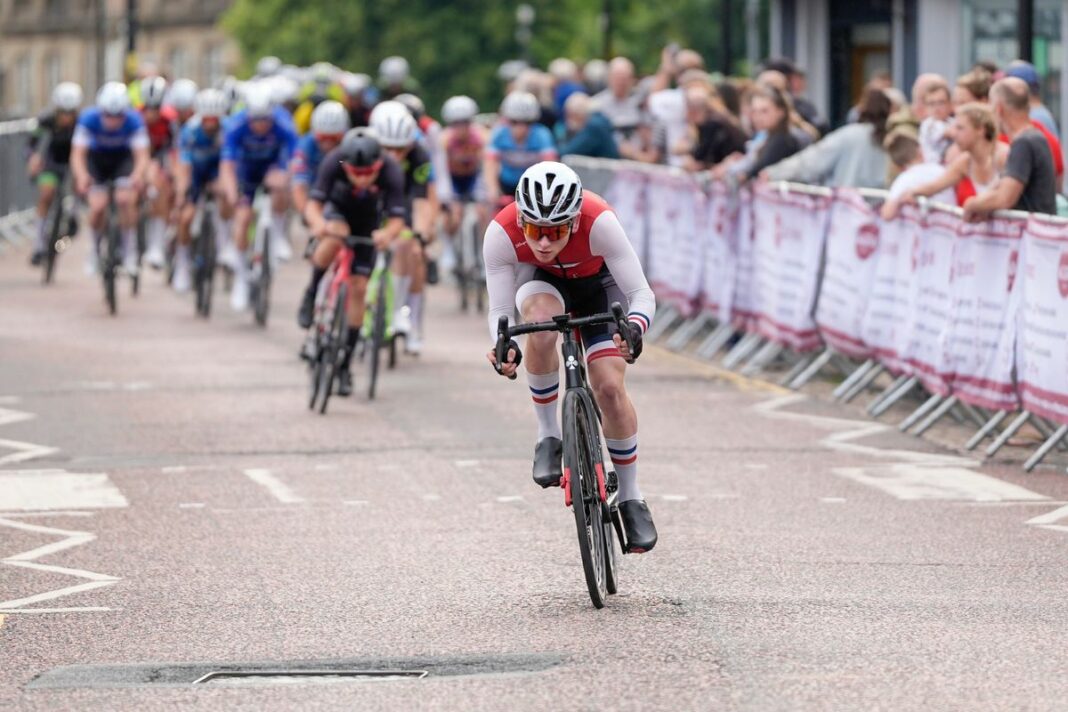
pixel 124 198
pixel 609 389
pixel 541 307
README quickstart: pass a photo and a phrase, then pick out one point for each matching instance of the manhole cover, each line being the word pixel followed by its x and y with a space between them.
pixel 303 677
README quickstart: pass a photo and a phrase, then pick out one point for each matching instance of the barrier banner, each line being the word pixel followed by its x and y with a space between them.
pixel 980 346
pixel 743 308
pixel 626 195
pixel 850 259
pixel 883 328
pixel 720 247
pixel 676 210
pixel 1042 343
pixel 788 233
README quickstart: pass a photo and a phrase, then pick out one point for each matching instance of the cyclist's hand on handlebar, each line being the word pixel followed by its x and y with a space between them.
pixel 513 359
pixel 81 184
pixel 381 238
pixel 633 339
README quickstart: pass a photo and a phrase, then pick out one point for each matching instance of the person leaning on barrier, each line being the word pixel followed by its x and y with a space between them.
pixel 714 133
pixel 850 156
pixel 587 132
pixel 1028 181
pixel 770 112
pixel 903 147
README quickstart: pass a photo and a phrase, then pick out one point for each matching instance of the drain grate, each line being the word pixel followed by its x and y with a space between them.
pixel 302 677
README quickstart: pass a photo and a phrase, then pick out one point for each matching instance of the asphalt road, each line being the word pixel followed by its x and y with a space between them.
pixel 168 469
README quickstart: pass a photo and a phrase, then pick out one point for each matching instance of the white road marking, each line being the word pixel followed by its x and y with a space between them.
pixel 191 505
pixel 27 559
pixel 431 497
pixel 85 609
pixel 832 500
pixel 278 489
pixel 673 497
pixel 510 498
pixel 23 451
pixel 466 463
pixel 26 490
pixel 8 416
pixel 10 400
pixel 355 502
pixel 1050 517
pixel 49 513
pixel 926 482
pixel 173 469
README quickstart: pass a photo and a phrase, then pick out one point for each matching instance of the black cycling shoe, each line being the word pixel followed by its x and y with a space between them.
pixel 547 468
pixel 307 310
pixel 344 382
pixel 37 258
pixel 638 524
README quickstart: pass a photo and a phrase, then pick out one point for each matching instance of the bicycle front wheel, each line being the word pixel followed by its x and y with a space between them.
pixel 581 470
pixel 331 357
pixel 54 227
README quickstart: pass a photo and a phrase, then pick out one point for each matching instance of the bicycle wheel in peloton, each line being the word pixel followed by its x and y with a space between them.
pixel 263 289
pixel 205 263
pixel 580 467
pixel 110 263
pixel 135 279
pixel 55 217
pixel 331 357
pixel 378 333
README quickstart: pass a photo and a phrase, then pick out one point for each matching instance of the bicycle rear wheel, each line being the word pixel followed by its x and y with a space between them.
pixel 331 355
pixel 55 214
pixel 378 336
pixel 263 289
pixel 111 261
pixel 581 470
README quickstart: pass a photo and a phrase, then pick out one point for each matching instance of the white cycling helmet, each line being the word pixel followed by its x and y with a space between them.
pixel 330 117
pixel 323 73
pixel 549 193
pixel 153 92
pixel 268 66
pixel 183 94
pixel 283 90
pixel 521 106
pixel 393 124
pixel 394 70
pixel 355 84
pixel 258 101
pixel 112 98
pixel 414 104
pixel 213 103
pixel 67 96
pixel 459 109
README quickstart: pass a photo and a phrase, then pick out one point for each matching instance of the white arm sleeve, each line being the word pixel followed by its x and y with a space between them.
pixel 608 240
pixel 81 137
pixel 501 270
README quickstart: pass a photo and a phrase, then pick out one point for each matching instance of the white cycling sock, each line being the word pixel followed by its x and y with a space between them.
pixel 129 243
pixel 544 389
pixel 624 454
pixel 415 301
pixel 278 225
pixel 157 233
pixel 401 290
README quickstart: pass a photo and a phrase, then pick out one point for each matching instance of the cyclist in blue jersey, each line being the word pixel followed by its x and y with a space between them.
pixel 199 150
pixel 260 140
pixel 110 143
pixel 329 122
pixel 516 145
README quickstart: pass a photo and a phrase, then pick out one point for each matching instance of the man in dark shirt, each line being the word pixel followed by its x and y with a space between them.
pixel 49 160
pixel 357 187
pixel 1028 181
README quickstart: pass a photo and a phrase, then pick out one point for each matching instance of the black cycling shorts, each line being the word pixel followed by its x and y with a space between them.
pixel 586 296
pixel 110 165
pixel 363 261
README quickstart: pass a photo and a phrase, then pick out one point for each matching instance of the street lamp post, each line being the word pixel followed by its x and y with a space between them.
pixel 606 27
pixel 524 18
pixel 131 40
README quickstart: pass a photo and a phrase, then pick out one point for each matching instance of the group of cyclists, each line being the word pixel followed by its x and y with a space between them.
pixel 340 156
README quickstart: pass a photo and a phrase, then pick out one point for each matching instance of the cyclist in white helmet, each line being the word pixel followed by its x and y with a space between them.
pixel 329 122
pixel 515 145
pixel 463 142
pixel 397 132
pixel 559 249
pixel 161 122
pixel 110 144
pixel 395 78
pixel 49 160
pixel 268 67
pixel 182 99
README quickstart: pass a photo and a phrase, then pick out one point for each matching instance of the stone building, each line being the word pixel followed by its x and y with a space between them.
pixel 43 42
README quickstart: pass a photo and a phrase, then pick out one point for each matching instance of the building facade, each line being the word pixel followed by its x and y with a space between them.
pixel 840 43
pixel 44 42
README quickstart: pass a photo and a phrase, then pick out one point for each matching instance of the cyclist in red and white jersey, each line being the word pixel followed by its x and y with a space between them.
pixel 559 248
pixel 161 122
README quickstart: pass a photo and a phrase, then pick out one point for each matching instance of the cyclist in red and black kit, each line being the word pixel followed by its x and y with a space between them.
pixel 161 122
pixel 556 249
pixel 358 187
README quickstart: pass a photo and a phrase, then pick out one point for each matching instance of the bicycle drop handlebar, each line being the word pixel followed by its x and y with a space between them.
pixel 562 323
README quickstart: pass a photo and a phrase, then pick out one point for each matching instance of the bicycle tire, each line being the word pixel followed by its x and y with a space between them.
pixel 56 213
pixel 580 464
pixel 207 232
pixel 332 353
pixel 263 289
pixel 111 261
pixel 378 336
pixel 135 279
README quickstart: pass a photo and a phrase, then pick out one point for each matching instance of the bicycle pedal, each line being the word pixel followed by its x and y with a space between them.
pixel 611 482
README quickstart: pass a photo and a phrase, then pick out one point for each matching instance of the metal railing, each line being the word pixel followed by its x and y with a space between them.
pixel 17 194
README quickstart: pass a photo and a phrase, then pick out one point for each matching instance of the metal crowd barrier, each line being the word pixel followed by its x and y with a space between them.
pixel 17 194
pixel 753 354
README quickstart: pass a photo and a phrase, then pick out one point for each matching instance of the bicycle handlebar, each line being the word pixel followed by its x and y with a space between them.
pixel 561 323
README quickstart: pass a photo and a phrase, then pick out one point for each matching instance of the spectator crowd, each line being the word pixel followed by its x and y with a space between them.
pixel 983 142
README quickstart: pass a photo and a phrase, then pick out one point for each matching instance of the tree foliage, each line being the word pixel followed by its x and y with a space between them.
pixel 456 46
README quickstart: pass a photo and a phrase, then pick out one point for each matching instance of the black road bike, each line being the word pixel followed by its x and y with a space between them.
pixel 111 260
pixel 470 273
pixel 204 253
pixel 589 489
pixel 60 228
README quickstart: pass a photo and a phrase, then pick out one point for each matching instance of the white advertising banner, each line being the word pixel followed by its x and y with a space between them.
pixel 720 246
pixel 1042 342
pixel 788 233
pixel 850 259
pixel 883 328
pixel 981 341
pixel 626 195
pixel 743 310
pixel 676 209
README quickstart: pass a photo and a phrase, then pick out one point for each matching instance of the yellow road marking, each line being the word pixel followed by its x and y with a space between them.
pixel 744 383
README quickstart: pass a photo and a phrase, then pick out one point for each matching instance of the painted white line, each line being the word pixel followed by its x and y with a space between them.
pixel 49 513
pixel 26 559
pixel 1055 527
pixel 10 400
pixel 191 505
pixel 86 609
pixel 833 500
pixel 510 498
pixel 1050 517
pixel 466 463
pixel 673 497
pixel 8 416
pixel 926 482
pixel 1009 504
pixel 23 451
pixel 431 497
pixel 355 502
pixel 174 469
pixel 278 489
pixel 57 489
pixel 137 386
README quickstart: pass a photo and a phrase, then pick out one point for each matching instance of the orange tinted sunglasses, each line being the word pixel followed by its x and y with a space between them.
pixel 551 232
pixel 358 171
